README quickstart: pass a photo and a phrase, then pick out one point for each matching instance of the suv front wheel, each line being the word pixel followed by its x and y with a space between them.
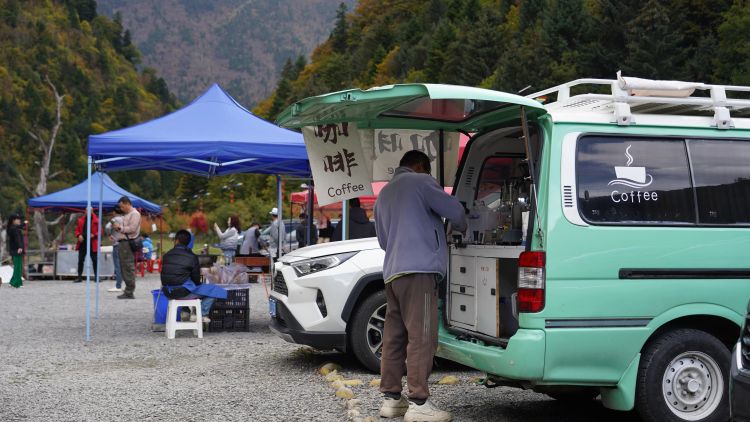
pixel 366 331
pixel 683 376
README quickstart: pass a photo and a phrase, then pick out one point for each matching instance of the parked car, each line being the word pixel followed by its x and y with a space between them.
pixel 290 242
pixel 331 296
pixel 739 387
pixel 613 263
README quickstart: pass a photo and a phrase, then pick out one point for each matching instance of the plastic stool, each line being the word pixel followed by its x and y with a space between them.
pixel 173 325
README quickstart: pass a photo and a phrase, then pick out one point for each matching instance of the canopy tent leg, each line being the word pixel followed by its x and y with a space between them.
pixel 344 219
pixel 99 249
pixel 87 260
pixel 441 156
pixel 309 213
pixel 26 246
pixel 280 217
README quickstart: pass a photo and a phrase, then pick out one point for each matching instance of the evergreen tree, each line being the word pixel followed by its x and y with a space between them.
pixel 653 49
pixel 339 33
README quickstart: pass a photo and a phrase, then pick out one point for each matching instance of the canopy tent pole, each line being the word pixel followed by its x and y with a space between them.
pixel 99 248
pixel 88 249
pixel 344 219
pixel 26 246
pixel 309 212
pixel 441 155
pixel 279 217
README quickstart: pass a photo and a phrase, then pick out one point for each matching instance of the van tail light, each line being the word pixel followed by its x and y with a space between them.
pixel 531 281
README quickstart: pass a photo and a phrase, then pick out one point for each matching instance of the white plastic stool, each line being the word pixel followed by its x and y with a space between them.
pixel 173 325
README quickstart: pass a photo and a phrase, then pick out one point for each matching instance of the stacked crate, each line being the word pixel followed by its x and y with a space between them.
pixel 232 313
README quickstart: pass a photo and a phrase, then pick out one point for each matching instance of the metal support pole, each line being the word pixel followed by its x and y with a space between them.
pixel 99 238
pixel 88 249
pixel 344 219
pixel 441 157
pixel 309 206
pixel 279 217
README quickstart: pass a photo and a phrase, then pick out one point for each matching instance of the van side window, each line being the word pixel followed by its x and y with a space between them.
pixel 636 180
pixel 721 170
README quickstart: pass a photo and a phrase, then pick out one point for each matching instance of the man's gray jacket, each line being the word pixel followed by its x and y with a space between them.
pixel 409 227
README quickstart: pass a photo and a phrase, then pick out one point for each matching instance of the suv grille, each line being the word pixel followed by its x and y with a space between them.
pixel 279 284
pixel 745 346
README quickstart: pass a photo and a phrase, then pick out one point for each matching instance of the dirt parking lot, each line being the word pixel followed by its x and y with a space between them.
pixel 127 372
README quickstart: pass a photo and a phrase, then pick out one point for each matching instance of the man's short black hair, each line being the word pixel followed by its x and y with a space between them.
pixel 124 200
pixel 354 203
pixel 302 215
pixel 414 157
pixel 183 237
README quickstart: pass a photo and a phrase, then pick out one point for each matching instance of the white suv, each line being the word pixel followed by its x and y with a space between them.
pixel 331 296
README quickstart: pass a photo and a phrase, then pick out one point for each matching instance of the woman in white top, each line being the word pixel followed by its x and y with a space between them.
pixel 228 239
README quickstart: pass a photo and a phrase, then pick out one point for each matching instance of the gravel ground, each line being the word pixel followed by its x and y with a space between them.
pixel 127 372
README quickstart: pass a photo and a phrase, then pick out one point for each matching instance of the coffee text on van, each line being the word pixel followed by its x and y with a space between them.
pixel 633 196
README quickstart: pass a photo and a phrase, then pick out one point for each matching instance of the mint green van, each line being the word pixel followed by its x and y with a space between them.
pixel 608 250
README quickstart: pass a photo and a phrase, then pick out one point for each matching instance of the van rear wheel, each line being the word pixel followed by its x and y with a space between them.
pixel 683 376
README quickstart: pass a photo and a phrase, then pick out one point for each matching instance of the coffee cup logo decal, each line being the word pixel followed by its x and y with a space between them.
pixel 634 177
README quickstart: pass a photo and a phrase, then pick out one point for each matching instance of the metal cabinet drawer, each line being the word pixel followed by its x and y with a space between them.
pixel 462 309
pixel 462 270
pixel 463 289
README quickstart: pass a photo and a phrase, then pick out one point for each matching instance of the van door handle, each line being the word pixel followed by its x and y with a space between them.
pixel 462 289
pixel 463 270
pixel 463 308
pixel 492 292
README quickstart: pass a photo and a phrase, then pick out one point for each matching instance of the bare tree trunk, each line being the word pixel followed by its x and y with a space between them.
pixel 47 147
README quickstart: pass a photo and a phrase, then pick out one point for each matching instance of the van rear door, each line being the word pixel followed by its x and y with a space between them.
pixel 411 106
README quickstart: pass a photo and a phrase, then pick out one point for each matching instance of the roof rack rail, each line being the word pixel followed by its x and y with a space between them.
pixel 649 96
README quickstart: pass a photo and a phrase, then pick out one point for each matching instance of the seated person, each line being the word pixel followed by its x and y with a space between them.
pixel 181 276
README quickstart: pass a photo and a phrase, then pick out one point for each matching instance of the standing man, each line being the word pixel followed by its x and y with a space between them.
pixel 302 232
pixel 276 245
pixel 409 228
pixel 360 225
pixel 129 229
pixel 81 243
pixel 116 219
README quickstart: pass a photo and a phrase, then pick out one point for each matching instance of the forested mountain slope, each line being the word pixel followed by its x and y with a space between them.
pixel 66 72
pixel 241 44
pixel 510 45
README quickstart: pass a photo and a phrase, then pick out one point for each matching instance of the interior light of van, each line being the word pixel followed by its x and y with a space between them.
pixel 531 281
pixel 309 266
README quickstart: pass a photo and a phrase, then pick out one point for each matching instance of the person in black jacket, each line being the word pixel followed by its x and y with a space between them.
pixel 16 248
pixel 181 276
pixel 359 225
pixel 302 232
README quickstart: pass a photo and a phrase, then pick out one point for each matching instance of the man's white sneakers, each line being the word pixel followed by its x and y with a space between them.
pixel 426 413
pixel 114 290
pixel 394 408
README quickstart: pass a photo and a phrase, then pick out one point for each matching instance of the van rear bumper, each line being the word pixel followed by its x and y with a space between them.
pixel 522 359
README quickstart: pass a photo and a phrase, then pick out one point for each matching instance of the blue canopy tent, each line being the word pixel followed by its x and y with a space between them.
pixel 77 199
pixel 74 198
pixel 213 135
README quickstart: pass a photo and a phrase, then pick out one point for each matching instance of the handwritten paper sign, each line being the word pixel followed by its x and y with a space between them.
pixel 389 145
pixel 339 166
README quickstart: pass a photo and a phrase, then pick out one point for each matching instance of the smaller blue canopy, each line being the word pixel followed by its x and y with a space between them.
pixel 74 197
pixel 213 135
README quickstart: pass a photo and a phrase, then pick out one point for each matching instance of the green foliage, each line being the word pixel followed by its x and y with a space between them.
pixel 90 61
pixel 511 45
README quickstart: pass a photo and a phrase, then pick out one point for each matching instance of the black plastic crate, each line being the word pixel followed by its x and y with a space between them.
pixel 236 299
pixel 229 320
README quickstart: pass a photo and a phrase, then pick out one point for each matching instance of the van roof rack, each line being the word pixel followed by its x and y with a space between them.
pixel 645 96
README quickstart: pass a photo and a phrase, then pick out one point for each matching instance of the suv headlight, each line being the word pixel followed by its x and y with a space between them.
pixel 309 266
